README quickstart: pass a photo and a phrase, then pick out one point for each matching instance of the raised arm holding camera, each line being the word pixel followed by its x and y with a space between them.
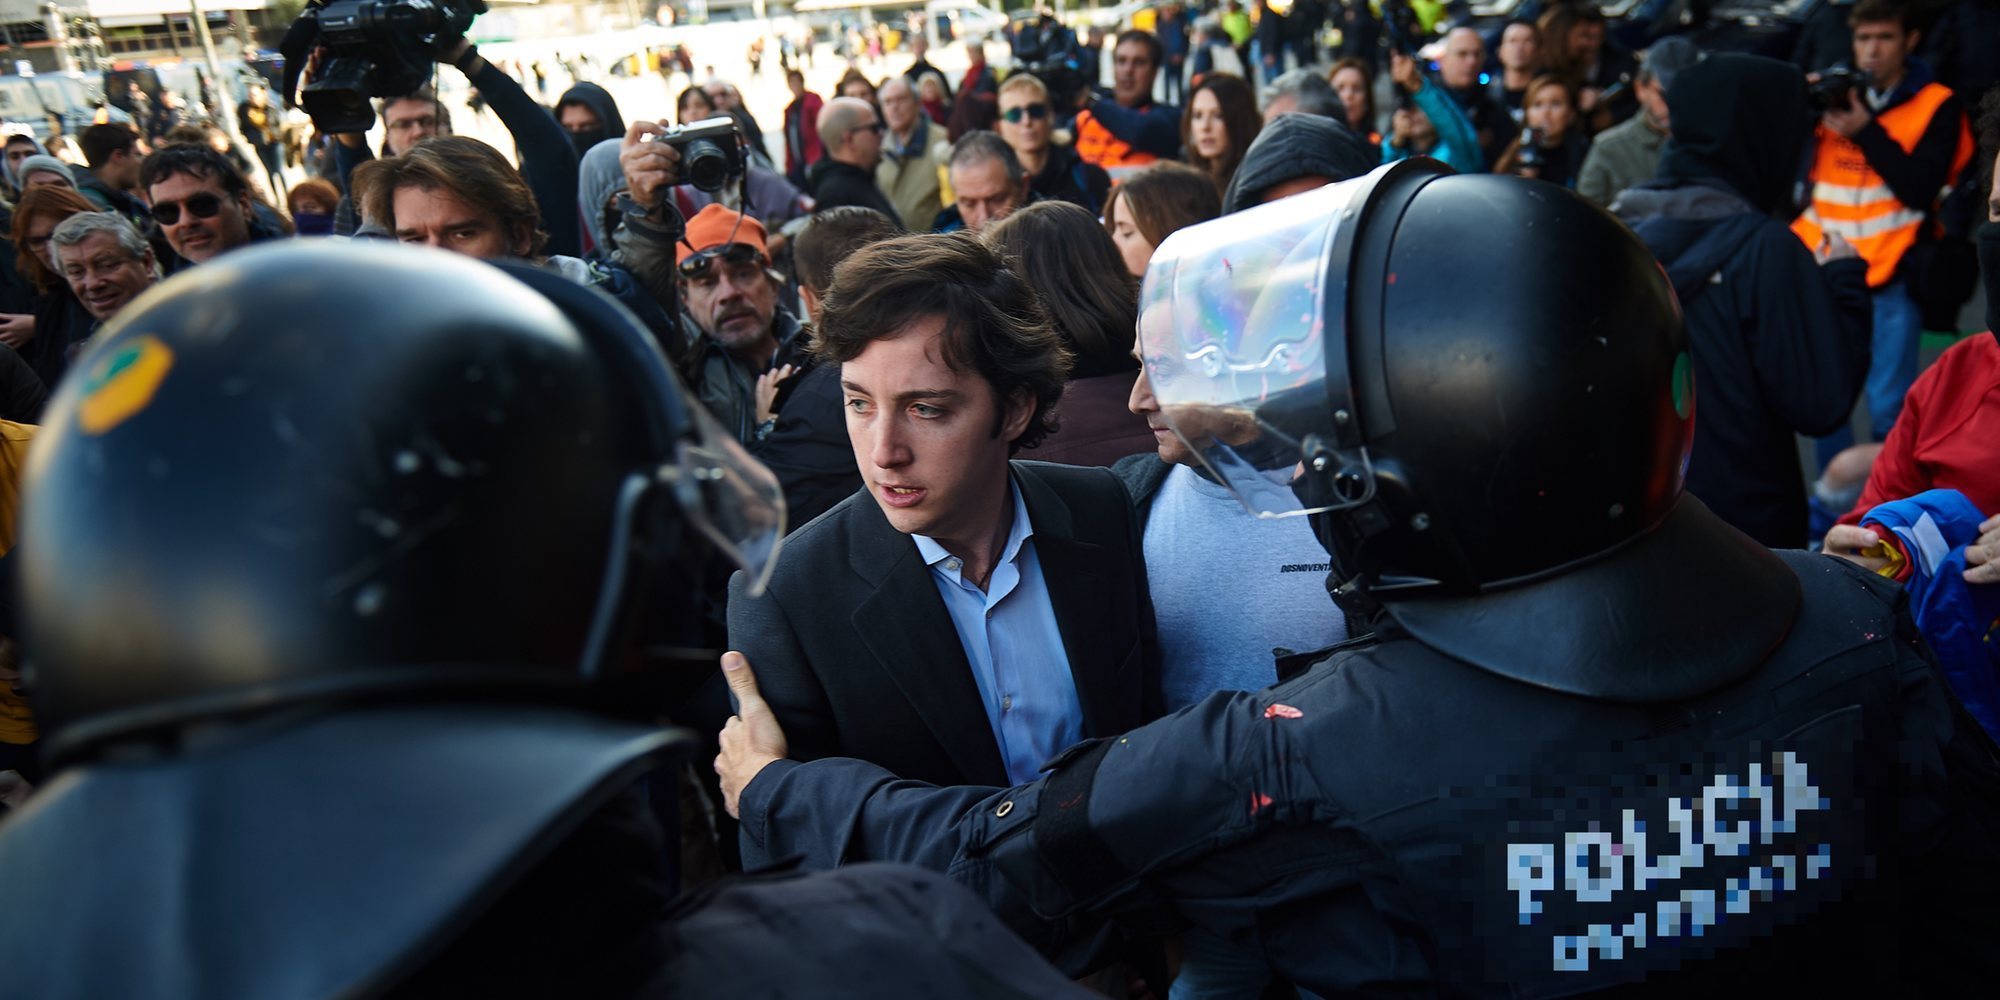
pixel 1891 139
pixel 361 49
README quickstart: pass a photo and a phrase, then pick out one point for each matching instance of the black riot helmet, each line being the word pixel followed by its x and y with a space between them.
pixel 1484 388
pixel 317 470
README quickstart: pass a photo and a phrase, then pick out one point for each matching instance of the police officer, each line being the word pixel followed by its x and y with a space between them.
pixel 331 558
pixel 1601 739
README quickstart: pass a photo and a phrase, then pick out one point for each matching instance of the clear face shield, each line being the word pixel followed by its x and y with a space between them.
pixel 1233 333
pixel 729 496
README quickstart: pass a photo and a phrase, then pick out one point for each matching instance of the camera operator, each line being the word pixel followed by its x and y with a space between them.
pixel 1428 121
pixel 1130 130
pixel 548 161
pixel 1888 144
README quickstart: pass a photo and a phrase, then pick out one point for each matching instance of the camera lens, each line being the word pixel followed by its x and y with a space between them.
pixel 706 165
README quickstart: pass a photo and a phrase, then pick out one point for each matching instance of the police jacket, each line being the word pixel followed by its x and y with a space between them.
pixel 1396 819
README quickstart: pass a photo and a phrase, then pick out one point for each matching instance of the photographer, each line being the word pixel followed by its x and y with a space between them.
pixel 717 266
pixel 1889 142
pixel 548 161
pixel 1129 131
pixel 1428 122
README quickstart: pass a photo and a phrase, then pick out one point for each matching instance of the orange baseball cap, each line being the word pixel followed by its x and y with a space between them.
pixel 714 226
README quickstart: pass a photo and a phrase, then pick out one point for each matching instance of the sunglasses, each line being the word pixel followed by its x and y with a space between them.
pixel 201 206
pixel 1014 116
pixel 875 127
pixel 697 265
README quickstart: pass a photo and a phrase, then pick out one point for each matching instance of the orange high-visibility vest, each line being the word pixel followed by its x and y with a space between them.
pixel 1851 200
pixel 1096 145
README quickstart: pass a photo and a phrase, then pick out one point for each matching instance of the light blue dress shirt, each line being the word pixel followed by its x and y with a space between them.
pixel 1016 650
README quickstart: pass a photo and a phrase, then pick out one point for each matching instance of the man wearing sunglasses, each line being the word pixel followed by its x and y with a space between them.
pixel 852 136
pixel 1027 122
pixel 730 294
pixel 201 202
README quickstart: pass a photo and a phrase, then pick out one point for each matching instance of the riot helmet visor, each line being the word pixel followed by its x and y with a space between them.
pixel 1233 331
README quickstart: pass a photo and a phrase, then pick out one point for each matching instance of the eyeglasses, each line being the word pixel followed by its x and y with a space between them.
pixel 875 127
pixel 697 265
pixel 1013 116
pixel 201 206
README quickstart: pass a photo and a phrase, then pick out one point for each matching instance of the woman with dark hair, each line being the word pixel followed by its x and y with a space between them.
pixel 693 105
pixel 1062 252
pixel 1354 83
pixel 1219 124
pixel 1154 203
pixel 60 320
pixel 855 83
pixel 1552 145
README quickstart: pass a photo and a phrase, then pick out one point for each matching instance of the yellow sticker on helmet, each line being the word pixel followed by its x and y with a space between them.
pixel 122 383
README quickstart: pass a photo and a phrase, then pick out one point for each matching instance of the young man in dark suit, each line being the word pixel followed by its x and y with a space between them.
pixel 964 618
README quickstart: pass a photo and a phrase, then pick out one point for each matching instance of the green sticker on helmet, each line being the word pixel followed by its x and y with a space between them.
pixel 1683 385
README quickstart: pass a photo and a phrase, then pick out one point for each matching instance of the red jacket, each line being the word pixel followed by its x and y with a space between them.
pixel 802 148
pixel 1945 436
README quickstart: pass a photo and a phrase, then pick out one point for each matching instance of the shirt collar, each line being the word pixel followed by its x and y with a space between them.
pixel 919 138
pixel 935 554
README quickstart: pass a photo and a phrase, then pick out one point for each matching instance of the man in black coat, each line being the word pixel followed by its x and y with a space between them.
pixel 851 133
pixel 1780 340
pixel 967 617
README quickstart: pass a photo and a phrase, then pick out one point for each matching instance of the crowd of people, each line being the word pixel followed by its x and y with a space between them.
pixel 937 309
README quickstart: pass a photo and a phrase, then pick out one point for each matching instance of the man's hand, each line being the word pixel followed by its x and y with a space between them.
pixel 751 740
pixel 767 390
pixel 650 167
pixel 1850 120
pixel 1983 556
pixel 16 329
pixel 1849 542
pixel 1403 70
pixel 1833 247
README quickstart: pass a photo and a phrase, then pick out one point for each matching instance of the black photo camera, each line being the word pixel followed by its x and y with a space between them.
pixel 710 149
pixel 1835 87
pixel 371 48
pixel 1401 30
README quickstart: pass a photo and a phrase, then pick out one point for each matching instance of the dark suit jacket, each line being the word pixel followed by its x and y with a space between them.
pixel 857 656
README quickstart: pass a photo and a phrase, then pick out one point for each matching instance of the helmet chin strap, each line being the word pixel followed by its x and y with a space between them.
pixel 1345 582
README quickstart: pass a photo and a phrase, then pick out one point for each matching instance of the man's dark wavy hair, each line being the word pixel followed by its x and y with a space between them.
pixel 994 324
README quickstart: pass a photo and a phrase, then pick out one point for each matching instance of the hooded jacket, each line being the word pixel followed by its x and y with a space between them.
pixel 610 124
pixel 1296 146
pixel 1779 342
pixel 598 178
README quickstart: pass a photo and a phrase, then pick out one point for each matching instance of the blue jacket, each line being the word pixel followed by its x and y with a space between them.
pixel 1956 618
pixel 1458 143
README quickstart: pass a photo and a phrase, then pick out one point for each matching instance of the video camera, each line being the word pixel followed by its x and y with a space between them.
pixel 366 49
pixel 1835 88
pixel 1063 76
pixel 710 149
